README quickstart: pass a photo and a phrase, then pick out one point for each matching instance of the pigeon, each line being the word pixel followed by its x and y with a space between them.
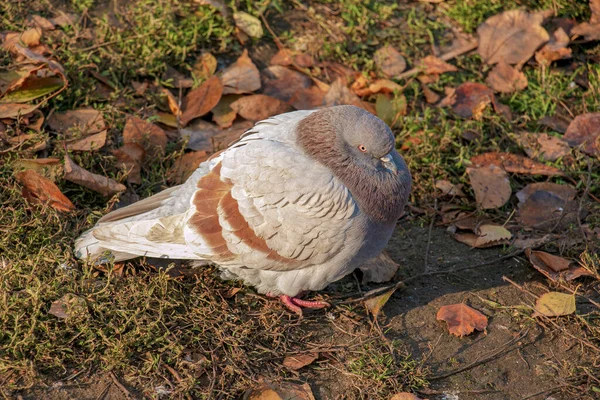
pixel 297 202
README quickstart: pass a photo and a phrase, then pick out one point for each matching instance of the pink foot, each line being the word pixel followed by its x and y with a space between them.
pixel 295 304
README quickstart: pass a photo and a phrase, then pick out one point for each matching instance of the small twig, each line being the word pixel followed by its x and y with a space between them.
pixel 583 196
pixel 120 385
pixel 446 57
pixel 493 355
pixel 427 247
pixel 546 391
pixel 103 394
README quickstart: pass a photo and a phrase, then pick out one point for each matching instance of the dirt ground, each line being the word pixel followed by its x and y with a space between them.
pixel 513 359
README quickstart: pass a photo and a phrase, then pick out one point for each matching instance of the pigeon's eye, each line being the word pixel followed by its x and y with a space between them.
pixel 362 148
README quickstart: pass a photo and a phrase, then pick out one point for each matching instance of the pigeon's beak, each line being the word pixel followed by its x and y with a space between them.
pixel 388 162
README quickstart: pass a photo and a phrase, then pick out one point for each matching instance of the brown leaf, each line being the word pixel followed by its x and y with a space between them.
pixel 339 94
pixel 433 65
pixel 547 206
pixel 430 96
pixel 185 166
pixel 222 114
pixel 505 79
pixel 205 67
pixel 257 107
pixel 379 269
pixel 40 190
pixel 389 61
pixel 283 57
pixel 281 391
pixel 556 123
pixel 90 143
pixel 471 98
pixel 406 395
pixel 64 19
pixel 588 31
pixel 85 121
pixel 584 132
pixel 69 306
pixel 151 137
pixel 511 37
pixel 308 99
pixel 208 137
pixel 14 110
pixel 491 186
pixel 515 164
pixel 487 235
pixel 283 83
pixel 201 100
pixel 131 157
pixel 544 147
pixel 461 319
pixel 172 101
pixel 50 168
pixel 41 22
pixel 450 189
pixel 241 76
pixel 524 241
pixel 98 183
pixel 548 264
pixel 297 361
pixel 384 86
pixel 555 49
pixel 375 304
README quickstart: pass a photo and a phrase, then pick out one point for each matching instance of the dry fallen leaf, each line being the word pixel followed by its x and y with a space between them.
pixel 556 123
pixel 249 24
pixel 584 132
pixel 587 30
pixel 339 94
pixel 555 49
pixel 433 65
pixel 515 164
pixel 543 146
pixel 554 304
pixel 297 361
pixel 548 264
pixel 86 121
pixel 98 183
pixel 89 143
pixel 131 157
pixel 471 98
pixel 379 269
pixel 491 186
pixel 148 135
pixel 257 107
pixel 283 83
pixel 511 37
pixel 461 319
pixel 308 99
pixel 486 235
pixel 203 135
pixel 40 190
pixel 31 88
pixel 281 391
pixel 389 61
pixel 222 114
pixel 205 67
pixel 69 306
pixel 450 189
pixel 14 110
pixel 547 205
pixel 172 102
pixel 50 168
pixel 201 100
pixel 375 304
pixel 505 79
pixel 406 395
pixel 185 166
pixel 241 76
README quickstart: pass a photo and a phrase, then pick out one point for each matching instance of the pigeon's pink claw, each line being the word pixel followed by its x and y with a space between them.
pixel 294 304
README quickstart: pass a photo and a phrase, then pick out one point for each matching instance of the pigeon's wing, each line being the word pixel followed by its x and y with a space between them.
pixel 267 205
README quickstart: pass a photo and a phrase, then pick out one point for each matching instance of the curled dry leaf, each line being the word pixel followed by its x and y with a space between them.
pixel 584 132
pixel 283 83
pixel 433 65
pixel 389 61
pixel 297 361
pixel 587 30
pixel 511 37
pixel 555 304
pixel 280 391
pixel 406 395
pixel 430 96
pixel 131 157
pixel 257 107
pixel 461 319
pixel 31 88
pixel 471 98
pixel 449 189
pixel 547 205
pixel 491 186
pixel 201 100
pixel 203 135
pixel 555 49
pixel 308 99
pixel 50 168
pixel 505 79
pixel 515 164
pixel 172 102
pixel 555 267
pixel 339 94
pixel 40 190
pixel 556 123
pixel 241 76
pixel 98 183
pixel 69 306
pixel 222 114
pixel 85 121
pixel 249 24
pixel 543 146
pixel 151 137
pixel 375 304
pixel 15 110
pixel 487 235
pixel 90 143
pixel 379 269
pixel 185 166
pixel 205 67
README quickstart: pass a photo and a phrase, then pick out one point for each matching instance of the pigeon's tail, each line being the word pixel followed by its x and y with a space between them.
pixel 146 228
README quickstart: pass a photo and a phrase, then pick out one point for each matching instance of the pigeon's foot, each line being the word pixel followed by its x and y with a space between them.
pixel 296 304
